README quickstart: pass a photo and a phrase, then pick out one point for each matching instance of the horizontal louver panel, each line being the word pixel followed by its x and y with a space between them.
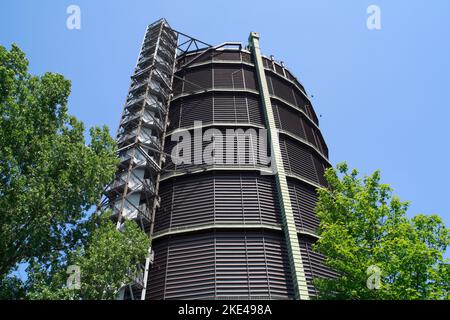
pixel 267 63
pixel 279 70
pixel 157 274
pixel 313 264
pixel 225 108
pixel 227 56
pixel 291 120
pixel 288 119
pixel 196 109
pixel 228 77
pixel 250 79
pixel 282 89
pixel 199 58
pixel 298 159
pixel 300 101
pixel 174 115
pixel 312 114
pixel 302 161
pixel 225 77
pixel 320 168
pixel 236 147
pixel 177 86
pixel 217 198
pixel 221 265
pixel 309 133
pixel 303 200
pixel 229 107
pixel 321 143
pixel 255 112
pixel 197 79
pixel 247 57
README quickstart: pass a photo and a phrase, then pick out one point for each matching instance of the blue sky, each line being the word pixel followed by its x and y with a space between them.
pixel 383 94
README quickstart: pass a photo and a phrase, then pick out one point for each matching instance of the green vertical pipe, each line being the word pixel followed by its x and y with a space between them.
pixel 289 229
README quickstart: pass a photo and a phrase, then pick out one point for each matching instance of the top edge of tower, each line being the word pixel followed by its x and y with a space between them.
pixel 238 46
pixel 159 21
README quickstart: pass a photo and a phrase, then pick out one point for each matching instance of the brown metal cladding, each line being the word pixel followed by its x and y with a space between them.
pixel 314 263
pixel 217 76
pixel 231 107
pixel 302 160
pixel 198 79
pixel 218 264
pixel 303 199
pixel 218 233
pixel 217 198
pixel 245 157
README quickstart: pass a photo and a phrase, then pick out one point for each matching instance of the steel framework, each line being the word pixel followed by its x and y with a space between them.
pixel 133 194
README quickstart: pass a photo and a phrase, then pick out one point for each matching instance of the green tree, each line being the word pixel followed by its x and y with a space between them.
pixel 362 225
pixel 12 288
pixel 49 179
pixel 107 261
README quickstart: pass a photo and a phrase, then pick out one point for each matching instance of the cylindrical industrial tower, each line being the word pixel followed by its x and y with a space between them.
pixel 193 139
pixel 231 229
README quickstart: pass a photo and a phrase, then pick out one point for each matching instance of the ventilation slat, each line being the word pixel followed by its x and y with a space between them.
pixel 220 198
pixel 221 265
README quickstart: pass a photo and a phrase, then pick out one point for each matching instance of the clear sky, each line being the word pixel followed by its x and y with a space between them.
pixel 383 94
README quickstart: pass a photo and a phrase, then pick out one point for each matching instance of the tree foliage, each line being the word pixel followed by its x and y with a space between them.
pixel 107 261
pixel 362 225
pixel 50 177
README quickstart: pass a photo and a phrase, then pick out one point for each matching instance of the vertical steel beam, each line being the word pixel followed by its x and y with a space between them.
pixel 289 228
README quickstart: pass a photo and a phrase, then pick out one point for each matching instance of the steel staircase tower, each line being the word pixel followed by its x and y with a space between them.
pixel 133 195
